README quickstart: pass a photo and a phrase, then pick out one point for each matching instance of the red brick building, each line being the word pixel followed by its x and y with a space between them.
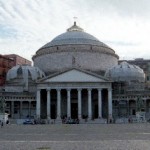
pixel 7 62
pixel 18 60
pixel 5 65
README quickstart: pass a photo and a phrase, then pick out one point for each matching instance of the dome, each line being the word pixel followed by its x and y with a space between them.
pixel 125 72
pixel 24 71
pixel 23 77
pixel 74 35
pixel 75 48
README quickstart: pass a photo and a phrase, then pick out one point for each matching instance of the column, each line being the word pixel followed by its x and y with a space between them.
pixel 48 104
pixel 89 104
pixel 12 109
pixel 79 104
pixel 58 104
pixel 38 104
pixel 99 103
pixel 68 103
pixel 110 103
pixel 20 109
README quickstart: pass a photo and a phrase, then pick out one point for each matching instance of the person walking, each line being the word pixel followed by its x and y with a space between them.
pixel 2 124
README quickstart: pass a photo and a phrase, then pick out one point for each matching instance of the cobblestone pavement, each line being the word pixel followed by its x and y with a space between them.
pixel 76 137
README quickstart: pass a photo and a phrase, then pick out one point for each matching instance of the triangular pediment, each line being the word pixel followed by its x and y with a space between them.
pixel 75 75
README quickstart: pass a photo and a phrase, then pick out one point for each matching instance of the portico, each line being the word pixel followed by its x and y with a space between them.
pixel 74 94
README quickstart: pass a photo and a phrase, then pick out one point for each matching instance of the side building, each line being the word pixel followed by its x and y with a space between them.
pixel 18 60
pixel 5 64
pixel 9 61
pixel 130 94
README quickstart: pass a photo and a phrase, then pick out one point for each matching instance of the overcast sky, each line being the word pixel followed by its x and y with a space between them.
pixel 124 25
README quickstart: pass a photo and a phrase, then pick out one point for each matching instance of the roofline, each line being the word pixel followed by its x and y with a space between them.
pixel 69 69
pixel 78 50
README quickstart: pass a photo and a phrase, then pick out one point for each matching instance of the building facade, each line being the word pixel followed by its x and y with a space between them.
pixel 76 76
pixel 18 60
pixel 9 61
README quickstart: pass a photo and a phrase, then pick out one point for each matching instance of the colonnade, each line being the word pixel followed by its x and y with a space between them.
pixel 130 105
pixel 79 101
pixel 19 108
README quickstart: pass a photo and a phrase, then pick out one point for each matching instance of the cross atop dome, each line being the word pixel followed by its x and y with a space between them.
pixel 75 19
pixel 75 27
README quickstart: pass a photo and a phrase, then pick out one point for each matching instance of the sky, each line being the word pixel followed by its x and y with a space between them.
pixel 27 25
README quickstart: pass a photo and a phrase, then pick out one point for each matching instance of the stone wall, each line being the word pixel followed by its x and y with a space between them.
pixel 94 59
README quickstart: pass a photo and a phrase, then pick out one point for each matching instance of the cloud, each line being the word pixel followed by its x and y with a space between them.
pixel 27 25
pixel 122 43
pixel 125 8
pixel 131 8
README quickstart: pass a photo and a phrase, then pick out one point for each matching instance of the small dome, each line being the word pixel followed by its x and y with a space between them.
pixel 125 72
pixel 25 71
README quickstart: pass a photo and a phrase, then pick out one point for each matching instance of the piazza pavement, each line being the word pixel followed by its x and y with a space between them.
pixel 133 136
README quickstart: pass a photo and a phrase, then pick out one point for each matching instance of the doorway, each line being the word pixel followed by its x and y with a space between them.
pixel 96 111
pixel 74 110
pixel 53 111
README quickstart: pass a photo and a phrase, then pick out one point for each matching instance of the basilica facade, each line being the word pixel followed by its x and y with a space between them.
pixel 75 76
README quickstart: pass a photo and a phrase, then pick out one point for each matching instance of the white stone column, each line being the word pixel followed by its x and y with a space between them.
pixel 68 103
pixel 79 104
pixel 38 104
pixel 100 103
pixel 48 104
pixel 110 103
pixel 89 104
pixel 12 109
pixel 58 104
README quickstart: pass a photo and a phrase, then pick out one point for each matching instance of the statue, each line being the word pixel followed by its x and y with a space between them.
pixel 73 61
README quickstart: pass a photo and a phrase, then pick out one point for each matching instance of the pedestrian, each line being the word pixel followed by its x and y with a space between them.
pixel 2 124
pixel 7 122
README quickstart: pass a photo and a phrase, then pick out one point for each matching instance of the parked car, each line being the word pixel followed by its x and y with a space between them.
pixel 28 122
pixel 72 121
